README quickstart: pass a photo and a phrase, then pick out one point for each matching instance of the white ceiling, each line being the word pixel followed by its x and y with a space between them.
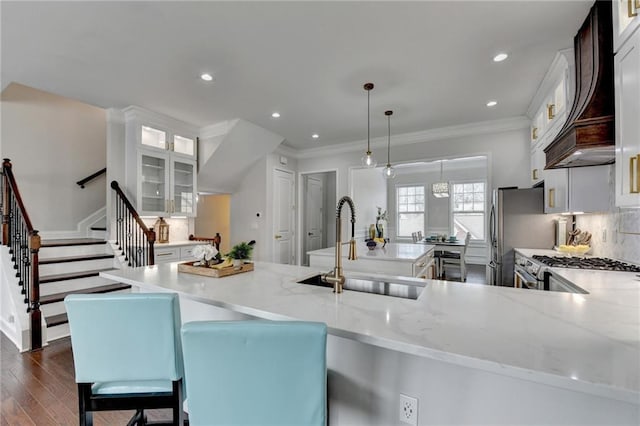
pixel 431 62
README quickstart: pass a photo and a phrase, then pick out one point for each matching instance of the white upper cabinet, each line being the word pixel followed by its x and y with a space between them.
pixel 627 93
pixel 161 163
pixel 549 109
pixel 626 20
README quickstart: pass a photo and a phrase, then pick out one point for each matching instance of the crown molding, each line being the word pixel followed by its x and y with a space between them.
pixel 134 112
pixel 286 150
pixel 115 115
pixel 563 60
pixel 442 133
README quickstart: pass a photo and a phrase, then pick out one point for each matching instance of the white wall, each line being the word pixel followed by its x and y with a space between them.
pixel 53 142
pixel 254 195
pixel 508 152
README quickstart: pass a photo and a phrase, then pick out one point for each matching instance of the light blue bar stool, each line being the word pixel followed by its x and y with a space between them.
pixel 255 372
pixel 127 353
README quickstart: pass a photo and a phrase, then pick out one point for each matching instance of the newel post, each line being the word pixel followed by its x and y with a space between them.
pixel 6 164
pixel 34 311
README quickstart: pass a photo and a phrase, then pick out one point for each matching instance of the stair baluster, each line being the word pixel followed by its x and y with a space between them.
pixel 24 244
pixel 134 239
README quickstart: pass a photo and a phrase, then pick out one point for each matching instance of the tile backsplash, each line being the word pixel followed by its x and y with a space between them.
pixel 614 234
pixel 179 228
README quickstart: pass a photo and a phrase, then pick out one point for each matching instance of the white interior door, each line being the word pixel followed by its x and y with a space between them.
pixel 283 217
pixel 314 194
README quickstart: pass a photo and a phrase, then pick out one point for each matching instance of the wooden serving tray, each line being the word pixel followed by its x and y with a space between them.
pixel 215 273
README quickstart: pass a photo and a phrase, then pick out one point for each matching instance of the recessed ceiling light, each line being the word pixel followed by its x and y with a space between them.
pixel 275 115
pixel 500 57
pixel 206 77
pixel 315 136
pixel 492 104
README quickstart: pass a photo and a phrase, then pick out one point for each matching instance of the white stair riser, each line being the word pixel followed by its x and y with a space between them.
pixel 73 285
pixel 50 252
pixel 50 309
pixel 98 234
pixel 58 332
pixel 69 267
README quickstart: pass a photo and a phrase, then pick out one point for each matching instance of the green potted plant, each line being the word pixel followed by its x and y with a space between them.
pixel 241 252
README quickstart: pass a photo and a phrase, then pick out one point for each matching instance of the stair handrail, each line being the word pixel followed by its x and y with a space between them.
pixel 83 182
pixel 24 245
pixel 215 241
pixel 133 238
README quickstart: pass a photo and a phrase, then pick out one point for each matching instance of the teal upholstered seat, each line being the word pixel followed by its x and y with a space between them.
pixel 255 372
pixel 127 352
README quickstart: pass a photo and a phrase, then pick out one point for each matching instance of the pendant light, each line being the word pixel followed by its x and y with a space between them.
pixel 388 172
pixel 440 189
pixel 368 160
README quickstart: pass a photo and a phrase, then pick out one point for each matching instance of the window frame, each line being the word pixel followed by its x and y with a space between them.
pixel 398 212
pixel 452 184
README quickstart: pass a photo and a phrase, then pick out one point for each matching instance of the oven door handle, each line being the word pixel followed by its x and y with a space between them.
pixel 527 279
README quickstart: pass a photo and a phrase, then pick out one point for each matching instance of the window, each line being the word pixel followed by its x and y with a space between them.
pixel 468 209
pixel 410 203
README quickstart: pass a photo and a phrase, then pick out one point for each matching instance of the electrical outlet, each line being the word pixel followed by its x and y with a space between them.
pixel 408 410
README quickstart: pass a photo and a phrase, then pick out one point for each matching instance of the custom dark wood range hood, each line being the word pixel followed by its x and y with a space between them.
pixel 588 136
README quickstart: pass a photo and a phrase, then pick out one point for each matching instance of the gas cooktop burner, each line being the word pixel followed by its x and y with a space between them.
pixel 600 263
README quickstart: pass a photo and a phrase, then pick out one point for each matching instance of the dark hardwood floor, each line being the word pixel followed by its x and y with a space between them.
pixel 38 388
pixel 476 274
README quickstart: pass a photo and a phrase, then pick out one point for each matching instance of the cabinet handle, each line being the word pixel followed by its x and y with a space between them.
pixel 630 10
pixel 534 133
pixel 551 111
pixel 173 206
pixel 552 198
pixel 534 174
pixel 634 187
pixel 164 254
pixel 277 237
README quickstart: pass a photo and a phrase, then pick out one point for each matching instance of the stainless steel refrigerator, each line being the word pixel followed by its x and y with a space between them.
pixel 517 220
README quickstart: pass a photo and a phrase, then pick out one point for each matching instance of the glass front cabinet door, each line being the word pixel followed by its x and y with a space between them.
pixel 183 194
pixel 167 186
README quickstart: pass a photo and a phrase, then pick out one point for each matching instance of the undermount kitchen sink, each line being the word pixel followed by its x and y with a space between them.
pixel 374 286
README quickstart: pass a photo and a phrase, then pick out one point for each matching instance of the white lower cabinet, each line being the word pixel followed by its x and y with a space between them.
pixel 173 253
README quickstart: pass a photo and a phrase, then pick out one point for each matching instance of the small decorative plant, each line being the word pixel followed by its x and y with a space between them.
pixel 241 251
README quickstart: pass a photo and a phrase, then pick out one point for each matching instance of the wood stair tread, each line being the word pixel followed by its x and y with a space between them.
pixel 58 319
pixel 73 275
pixel 58 297
pixel 72 242
pixel 76 258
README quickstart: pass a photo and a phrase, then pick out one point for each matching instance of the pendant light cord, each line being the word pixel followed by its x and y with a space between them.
pixel 368 121
pixel 389 140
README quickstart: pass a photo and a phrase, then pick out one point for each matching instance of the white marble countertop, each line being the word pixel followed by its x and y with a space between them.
pixel 178 243
pixel 397 252
pixel 588 343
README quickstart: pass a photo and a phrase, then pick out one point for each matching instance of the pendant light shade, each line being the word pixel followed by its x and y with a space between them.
pixel 388 172
pixel 440 189
pixel 368 160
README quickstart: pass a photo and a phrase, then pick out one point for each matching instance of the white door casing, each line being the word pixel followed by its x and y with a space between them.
pixel 283 216
pixel 314 193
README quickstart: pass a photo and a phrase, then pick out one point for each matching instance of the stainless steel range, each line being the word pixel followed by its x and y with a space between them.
pixel 599 263
pixel 535 272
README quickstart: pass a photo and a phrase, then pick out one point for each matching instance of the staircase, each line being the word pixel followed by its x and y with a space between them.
pixel 69 266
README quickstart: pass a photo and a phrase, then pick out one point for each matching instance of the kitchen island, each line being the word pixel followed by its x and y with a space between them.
pixel 469 353
pixel 412 260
